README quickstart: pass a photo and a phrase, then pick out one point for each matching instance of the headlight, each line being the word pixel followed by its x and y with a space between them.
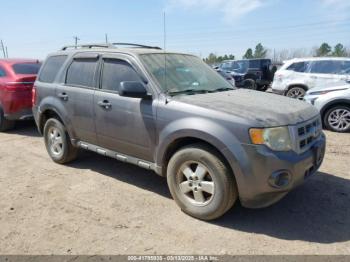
pixel 276 138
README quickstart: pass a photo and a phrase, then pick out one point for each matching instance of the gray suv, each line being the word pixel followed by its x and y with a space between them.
pixel 173 114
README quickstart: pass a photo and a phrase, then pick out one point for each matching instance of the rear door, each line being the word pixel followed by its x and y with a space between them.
pixel 326 72
pixel 127 124
pixel 77 94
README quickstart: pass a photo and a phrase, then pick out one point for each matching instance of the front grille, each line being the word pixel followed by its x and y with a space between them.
pixel 307 133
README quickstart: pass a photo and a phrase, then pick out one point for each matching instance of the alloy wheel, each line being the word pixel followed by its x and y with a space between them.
pixel 296 92
pixel 196 183
pixel 339 120
pixel 55 141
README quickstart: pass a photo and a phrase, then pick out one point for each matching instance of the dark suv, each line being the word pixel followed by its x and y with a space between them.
pixel 254 74
pixel 171 113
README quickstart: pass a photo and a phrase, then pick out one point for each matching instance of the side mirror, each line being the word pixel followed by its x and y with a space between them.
pixel 133 89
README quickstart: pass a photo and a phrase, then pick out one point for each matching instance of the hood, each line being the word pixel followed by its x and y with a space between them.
pixel 262 108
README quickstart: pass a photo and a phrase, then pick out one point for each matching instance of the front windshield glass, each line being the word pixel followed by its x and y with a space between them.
pixel 183 73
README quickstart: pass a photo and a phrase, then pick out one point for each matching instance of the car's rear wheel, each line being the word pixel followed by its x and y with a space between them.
pixel 296 92
pixel 337 119
pixel 58 143
pixel 5 124
pixel 200 182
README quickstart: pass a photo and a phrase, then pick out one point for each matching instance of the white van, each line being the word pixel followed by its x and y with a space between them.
pixel 297 76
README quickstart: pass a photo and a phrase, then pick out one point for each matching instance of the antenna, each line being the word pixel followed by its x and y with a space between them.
pixel 165 58
pixel 106 38
pixel 76 39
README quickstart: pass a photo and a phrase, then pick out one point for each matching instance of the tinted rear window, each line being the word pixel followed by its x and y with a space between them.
pixel 26 68
pixel 51 67
pixel 82 72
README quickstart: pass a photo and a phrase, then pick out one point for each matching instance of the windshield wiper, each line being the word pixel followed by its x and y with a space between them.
pixel 188 91
pixel 222 89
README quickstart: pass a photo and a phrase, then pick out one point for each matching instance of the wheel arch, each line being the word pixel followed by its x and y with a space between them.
pixel 331 104
pixel 304 86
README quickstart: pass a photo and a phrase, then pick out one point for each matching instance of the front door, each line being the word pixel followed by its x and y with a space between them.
pixel 123 124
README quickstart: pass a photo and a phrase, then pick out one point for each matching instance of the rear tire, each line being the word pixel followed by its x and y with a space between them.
pixel 337 119
pixel 57 142
pixel 5 124
pixel 296 92
pixel 200 182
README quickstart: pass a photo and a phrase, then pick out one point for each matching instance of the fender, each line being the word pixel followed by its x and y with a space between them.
pixel 53 104
pixel 211 132
pixel 332 103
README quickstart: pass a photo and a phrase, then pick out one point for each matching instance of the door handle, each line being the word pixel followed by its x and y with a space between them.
pixel 63 96
pixel 105 104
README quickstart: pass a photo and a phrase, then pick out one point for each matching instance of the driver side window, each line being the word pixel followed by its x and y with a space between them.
pixel 116 71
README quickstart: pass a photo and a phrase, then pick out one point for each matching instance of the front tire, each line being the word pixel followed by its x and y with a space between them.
pixel 249 84
pixel 58 143
pixel 5 124
pixel 337 119
pixel 200 182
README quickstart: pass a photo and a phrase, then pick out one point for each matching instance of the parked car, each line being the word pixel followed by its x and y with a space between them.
pixel 299 75
pixel 214 143
pixel 333 102
pixel 227 76
pixel 17 77
pixel 254 74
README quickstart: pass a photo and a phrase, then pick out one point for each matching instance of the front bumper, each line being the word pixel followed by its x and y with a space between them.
pixel 255 188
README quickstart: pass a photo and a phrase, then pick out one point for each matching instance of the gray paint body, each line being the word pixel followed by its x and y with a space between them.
pixel 143 129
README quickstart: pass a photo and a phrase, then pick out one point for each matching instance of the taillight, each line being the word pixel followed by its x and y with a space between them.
pixel 33 96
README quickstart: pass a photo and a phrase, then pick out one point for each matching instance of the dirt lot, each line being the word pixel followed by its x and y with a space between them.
pixel 101 206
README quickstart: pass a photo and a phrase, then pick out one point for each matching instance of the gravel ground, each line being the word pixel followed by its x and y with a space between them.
pixel 97 205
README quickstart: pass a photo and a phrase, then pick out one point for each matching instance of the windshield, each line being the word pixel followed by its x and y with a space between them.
pixel 183 73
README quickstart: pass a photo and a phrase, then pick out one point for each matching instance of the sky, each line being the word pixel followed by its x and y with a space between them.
pixel 34 28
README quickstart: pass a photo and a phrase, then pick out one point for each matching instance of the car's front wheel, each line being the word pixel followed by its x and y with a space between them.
pixel 200 182
pixel 337 119
pixel 58 143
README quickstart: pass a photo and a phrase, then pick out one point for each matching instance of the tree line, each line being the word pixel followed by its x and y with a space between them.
pixel 324 50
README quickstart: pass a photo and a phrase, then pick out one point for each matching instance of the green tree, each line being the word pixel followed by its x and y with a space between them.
pixel 324 50
pixel 339 50
pixel 248 54
pixel 260 51
pixel 211 59
pixel 231 57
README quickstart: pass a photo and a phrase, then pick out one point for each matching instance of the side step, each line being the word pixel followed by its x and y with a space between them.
pixel 121 157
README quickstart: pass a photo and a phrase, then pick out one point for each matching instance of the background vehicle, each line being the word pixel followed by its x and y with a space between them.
pixel 17 77
pixel 184 122
pixel 299 75
pixel 227 76
pixel 334 104
pixel 254 74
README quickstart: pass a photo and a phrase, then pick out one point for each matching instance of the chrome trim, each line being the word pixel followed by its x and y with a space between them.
pixel 312 133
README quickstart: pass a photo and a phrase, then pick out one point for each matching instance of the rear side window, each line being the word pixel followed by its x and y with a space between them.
pixel 327 67
pixel 300 67
pixel 115 72
pixel 51 67
pixel 2 72
pixel 254 63
pixel 26 68
pixel 82 72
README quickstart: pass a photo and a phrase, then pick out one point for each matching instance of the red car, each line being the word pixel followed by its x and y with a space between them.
pixel 17 77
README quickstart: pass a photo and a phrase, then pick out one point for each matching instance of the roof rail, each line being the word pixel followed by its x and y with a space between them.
pixel 136 45
pixel 86 46
pixel 111 45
